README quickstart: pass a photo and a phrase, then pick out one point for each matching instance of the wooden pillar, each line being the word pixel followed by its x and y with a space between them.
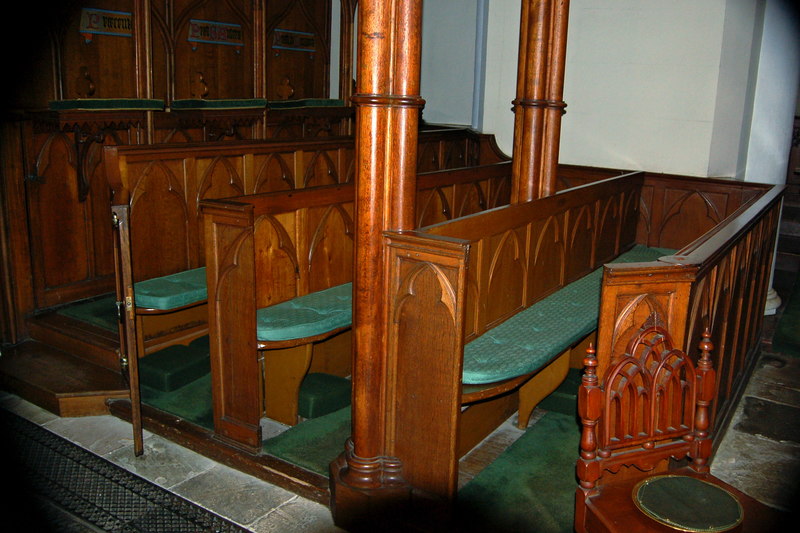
pixel 366 484
pixel 538 106
pixel 347 26
pixel 144 62
pixel 555 97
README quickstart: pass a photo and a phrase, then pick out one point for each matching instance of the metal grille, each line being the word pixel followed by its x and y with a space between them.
pixel 74 490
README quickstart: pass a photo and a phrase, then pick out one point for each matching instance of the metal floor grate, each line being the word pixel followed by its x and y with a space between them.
pixel 72 489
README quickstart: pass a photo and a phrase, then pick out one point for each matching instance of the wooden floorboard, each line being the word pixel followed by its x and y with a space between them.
pixel 62 383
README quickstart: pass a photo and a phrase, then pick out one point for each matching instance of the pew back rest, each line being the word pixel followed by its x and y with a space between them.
pixel 303 240
pixel 164 185
pixel 522 253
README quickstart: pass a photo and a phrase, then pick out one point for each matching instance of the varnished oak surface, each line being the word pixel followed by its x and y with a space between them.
pixel 615 511
pixel 57 381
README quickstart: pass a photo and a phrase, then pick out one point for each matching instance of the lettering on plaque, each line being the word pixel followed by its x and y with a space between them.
pixel 105 22
pixel 300 41
pixel 211 32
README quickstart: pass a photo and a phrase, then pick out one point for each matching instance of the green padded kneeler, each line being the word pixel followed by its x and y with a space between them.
pixel 687 503
pixel 321 394
pixel 175 366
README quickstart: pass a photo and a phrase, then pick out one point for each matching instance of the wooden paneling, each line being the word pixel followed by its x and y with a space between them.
pixel 210 69
pixel 297 48
pixel 165 185
pixel 522 253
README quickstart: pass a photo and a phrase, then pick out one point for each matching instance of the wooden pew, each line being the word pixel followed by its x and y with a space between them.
pixel 262 250
pixel 157 192
pixel 164 184
pixel 710 294
pixel 455 283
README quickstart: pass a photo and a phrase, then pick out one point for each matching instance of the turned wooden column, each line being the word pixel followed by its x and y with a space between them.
pixel 347 25
pixel 365 480
pixel 538 106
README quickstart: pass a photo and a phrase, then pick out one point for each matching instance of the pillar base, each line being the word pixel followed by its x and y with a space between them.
pixel 370 495
pixel 773 302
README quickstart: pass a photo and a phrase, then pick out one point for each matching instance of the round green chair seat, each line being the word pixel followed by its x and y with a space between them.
pixel 687 503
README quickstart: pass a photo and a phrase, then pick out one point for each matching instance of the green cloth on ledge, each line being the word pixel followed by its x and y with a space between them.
pixel 305 102
pixel 225 103
pixel 107 104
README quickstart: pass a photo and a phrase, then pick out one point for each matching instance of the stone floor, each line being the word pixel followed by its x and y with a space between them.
pixel 759 454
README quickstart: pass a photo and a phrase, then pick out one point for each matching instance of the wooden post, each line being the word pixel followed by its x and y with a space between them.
pixel 538 106
pixel 347 25
pixel 555 93
pixel 365 483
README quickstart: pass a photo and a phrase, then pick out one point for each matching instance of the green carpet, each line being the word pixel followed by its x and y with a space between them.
pixel 312 444
pixel 530 487
pixel 192 402
pixel 787 332
pixel 101 312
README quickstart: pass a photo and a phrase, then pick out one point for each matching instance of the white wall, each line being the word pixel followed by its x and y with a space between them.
pixel 502 47
pixel 775 97
pixel 448 60
pixel 649 84
pixel 336 8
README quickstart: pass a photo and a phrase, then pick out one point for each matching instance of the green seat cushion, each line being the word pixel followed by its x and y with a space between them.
pixel 224 103
pixel 305 102
pixel 687 503
pixel 175 366
pixel 107 104
pixel 172 291
pixel 321 394
pixel 531 338
pixel 306 316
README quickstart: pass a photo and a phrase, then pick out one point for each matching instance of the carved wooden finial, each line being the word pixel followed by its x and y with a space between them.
pixel 706 378
pixel 84 85
pixel 199 86
pixel 706 347
pixel 590 364
pixel 285 89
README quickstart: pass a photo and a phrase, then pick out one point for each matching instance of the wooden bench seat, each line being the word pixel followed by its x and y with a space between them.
pixel 172 292
pixel 306 318
pixel 532 338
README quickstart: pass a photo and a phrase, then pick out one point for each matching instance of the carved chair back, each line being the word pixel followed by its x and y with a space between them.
pixel 652 404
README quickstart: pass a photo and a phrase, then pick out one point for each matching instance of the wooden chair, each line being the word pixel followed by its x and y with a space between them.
pixel 651 408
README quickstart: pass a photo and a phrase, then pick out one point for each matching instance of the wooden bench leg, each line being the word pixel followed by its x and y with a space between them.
pixel 284 370
pixel 539 386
